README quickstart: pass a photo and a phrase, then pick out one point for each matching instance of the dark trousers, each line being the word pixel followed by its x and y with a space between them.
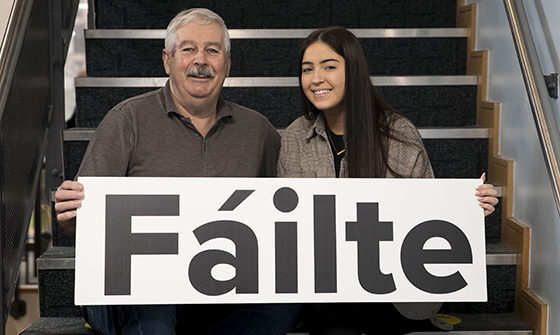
pixel 361 318
pixel 249 319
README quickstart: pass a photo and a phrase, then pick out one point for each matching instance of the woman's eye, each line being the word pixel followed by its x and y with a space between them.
pixel 330 67
pixel 305 70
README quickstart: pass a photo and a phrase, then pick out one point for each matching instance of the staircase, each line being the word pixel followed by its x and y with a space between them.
pixel 417 60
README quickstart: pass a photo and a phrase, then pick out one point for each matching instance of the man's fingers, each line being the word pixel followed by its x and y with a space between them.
pixel 65 195
pixel 66 216
pixel 68 198
pixel 71 185
pixel 69 190
pixel 64 206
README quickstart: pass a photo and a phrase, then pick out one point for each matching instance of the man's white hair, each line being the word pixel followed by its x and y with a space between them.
pixel 198 15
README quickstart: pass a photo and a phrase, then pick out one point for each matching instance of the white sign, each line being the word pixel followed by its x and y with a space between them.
pixel 262 240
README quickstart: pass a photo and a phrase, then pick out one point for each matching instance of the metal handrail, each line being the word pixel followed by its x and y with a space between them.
pixel 9 54
pixel 537 92
pixel 11 46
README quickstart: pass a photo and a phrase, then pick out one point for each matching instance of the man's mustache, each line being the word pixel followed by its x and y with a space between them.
pixel 200 72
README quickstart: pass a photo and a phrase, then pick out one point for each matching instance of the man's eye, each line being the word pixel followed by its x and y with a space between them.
pixel 212 51
pixel 187 49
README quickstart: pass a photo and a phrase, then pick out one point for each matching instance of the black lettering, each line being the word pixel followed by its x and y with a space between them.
pixel 324 236
pixel 286 257
pixel 368 232
pixel 414 256
pixel 245 261
pixel 121 243
pixel 285 199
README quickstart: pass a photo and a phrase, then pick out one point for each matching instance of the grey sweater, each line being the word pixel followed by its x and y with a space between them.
pixel 145 136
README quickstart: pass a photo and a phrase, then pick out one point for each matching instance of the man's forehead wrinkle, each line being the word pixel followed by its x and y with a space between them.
pixel 185 42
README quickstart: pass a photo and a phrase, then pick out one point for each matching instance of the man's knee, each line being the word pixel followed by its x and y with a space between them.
pixel 131 319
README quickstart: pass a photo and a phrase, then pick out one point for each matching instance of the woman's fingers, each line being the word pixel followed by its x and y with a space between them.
pixel 487 197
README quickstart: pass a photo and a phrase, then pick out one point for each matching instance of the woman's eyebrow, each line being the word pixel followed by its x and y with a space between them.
pixel 329 60
pixel 322 62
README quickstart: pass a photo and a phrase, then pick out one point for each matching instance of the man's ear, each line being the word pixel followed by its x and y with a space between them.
pixel 165 57
pixel 228 64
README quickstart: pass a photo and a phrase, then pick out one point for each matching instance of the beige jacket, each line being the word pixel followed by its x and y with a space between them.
pixel 305 153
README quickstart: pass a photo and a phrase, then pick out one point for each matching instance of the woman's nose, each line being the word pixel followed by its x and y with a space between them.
pixel 317 77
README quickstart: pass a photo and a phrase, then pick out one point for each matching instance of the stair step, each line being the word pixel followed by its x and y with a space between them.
pixel 437 133
pixel 134 14
pixel 487 323
pixel 454 152
pixel 62 258
pixel 262 81
pixel 58 325
pixel 472 324
pixel 278 57
pixel 425 105
pixel 457 157
pixel 159 34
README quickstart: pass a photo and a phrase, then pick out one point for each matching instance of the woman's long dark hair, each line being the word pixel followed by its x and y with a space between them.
pixel 367 115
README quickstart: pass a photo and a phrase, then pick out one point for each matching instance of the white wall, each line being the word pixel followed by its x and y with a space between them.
pixel 545 27
pixel 5 10
pixel 533 200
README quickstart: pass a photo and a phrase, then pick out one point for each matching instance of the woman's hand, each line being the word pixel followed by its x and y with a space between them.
pixel 487 196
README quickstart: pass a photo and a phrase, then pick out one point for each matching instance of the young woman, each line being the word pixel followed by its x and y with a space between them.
pixel 348 130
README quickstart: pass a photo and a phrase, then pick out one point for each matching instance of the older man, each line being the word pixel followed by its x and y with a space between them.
pixel 182 130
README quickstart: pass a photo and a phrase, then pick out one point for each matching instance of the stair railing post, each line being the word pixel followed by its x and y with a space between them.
pixel 10 49
pixel 3 293
pixel 54 165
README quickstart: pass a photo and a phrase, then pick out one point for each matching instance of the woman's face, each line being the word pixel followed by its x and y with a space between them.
pixel 323 77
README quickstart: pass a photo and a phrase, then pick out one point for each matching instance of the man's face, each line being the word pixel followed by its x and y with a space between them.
pixel 198 62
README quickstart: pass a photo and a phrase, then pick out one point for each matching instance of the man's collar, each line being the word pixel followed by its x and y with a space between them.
pixel 168 100
pixel 223 110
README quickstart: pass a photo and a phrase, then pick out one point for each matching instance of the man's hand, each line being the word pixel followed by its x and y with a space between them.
pixel 68 198
pixel 487 196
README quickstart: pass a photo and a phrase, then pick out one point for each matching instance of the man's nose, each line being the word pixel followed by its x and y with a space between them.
pixel 200 58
